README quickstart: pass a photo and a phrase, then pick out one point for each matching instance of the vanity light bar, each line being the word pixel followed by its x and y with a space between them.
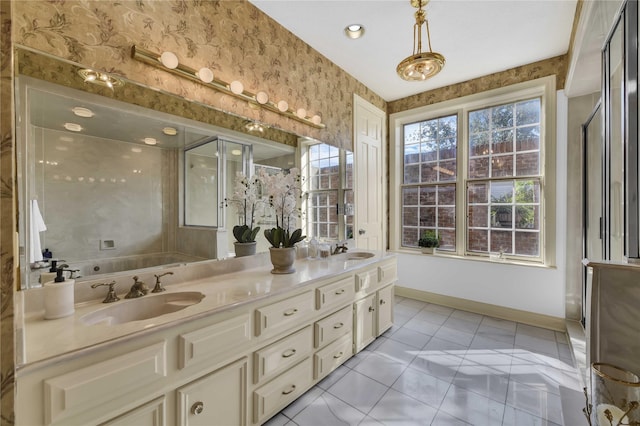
pixel 153 59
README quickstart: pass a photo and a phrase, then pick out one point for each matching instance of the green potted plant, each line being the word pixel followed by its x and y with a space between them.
pixel 283 191
pixel 247 200
pixel 429 241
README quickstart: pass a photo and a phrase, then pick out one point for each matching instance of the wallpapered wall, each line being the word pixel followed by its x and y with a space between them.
pixel 233 38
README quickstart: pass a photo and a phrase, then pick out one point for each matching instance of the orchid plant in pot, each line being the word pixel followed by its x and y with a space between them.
pixel 283 191
pixel 248 202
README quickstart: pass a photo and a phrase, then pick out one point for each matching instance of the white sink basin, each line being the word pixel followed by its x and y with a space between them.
pixel 142 308
pixel 352 256
pixel 358 255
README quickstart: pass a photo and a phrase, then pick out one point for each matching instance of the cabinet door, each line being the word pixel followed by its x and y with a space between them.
pixel 364 318
pixel 216 399
pixel 149 414
pixel 385 309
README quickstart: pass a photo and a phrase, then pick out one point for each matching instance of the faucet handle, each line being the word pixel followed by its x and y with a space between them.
pixel 111 294
pixel 158 287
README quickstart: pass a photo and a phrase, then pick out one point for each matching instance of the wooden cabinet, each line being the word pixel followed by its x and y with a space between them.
pixel 236 367
pixel 384 316
pixel 279 392
pixel 149 414
pixel 218 398
pixel 364 323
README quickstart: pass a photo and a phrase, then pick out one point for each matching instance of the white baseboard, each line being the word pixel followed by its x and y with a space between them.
pixel 531 318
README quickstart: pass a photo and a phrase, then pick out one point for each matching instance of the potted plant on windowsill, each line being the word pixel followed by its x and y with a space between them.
pixel 247 200
pixel 283 190
pixel 429 241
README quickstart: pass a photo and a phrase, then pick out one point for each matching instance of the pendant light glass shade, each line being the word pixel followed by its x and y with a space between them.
pixel 421 65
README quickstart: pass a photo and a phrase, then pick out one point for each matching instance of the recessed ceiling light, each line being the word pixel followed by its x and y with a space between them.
pixel 83 112
pixel 170 131
pixel 236 152
pixel 150 141
pixel 73 127
pixel 354 31
pixel 136 149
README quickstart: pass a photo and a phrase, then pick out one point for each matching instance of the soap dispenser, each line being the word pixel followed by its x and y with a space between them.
pixel 58 296
pixel 45 277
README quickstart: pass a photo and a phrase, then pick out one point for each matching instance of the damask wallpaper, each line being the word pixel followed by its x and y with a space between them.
pixel 233 38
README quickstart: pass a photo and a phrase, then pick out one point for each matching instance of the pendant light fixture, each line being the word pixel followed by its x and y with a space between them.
pixel 421 65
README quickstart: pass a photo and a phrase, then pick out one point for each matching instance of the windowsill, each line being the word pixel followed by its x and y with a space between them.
pixel 483 259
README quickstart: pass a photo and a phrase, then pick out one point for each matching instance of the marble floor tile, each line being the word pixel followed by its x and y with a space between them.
pixel 472 407
pixel 422 386
pixel 432 317
pixel 396 409
pixel 444 310
pixel 410 337
pixel 483 380
pixel 537 344
pixel 327 410
pixel 444 419
pixel 381 368
pixel 515 417
pixel 424 327
pixel 397 351
pixel 534 331
pixel 500 323
pixel 335 375
pixel 457 336
pixel 441 365
pixel 302 402
pixel 461 324
pixel 535 401
pixel 277 420
pixel 412 303
pixel 358 390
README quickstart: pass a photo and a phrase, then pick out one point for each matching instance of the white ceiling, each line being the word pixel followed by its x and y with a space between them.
pixel 477 37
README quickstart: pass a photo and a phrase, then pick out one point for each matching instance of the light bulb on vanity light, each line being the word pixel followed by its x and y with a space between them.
pixel 283 106
pixel 262 98
pixel 301 113
pixel 169 60
pixel 236 87
pixel 316 119
pixel 205 74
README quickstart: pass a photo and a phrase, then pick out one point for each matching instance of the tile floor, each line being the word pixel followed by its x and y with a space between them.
pixel 440 366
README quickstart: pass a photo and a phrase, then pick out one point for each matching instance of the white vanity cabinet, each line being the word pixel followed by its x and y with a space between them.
pixel 373 311
pixel 217 399
pixel 239 366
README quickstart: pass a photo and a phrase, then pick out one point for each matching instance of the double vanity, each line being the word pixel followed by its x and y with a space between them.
pixel 227 343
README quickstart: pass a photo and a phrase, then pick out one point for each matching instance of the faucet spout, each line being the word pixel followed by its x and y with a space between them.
pixel 138 289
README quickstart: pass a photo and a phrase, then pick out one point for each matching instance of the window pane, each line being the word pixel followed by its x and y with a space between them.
pixel 506 129
pixel 429 207
pixel 430 152
pixel 511 209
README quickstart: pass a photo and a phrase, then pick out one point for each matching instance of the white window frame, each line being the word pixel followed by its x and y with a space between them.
pixel 543 88
pixel 340 191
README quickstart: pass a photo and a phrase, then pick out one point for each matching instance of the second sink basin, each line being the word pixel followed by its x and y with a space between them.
pixel 145 307
pixel 358 255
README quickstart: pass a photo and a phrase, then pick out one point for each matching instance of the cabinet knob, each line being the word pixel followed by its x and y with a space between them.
pixel 338 325
pixel 338 355
pixel 291 312
pixel 197 408
pixel 371 309
pixel 382 302
pixel 339 291
pixel 288 391
pixel 288 353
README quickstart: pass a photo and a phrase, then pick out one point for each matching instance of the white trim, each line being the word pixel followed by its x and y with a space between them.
pixel 544 88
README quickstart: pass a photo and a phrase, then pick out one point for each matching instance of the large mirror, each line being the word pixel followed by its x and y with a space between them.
pixel 109 186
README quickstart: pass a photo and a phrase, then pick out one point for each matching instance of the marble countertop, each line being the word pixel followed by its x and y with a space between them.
pixel 223 291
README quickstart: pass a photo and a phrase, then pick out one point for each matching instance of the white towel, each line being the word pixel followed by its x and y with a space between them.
pixel 37 226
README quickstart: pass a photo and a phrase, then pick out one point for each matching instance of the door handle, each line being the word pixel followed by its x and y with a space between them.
pixel 361 231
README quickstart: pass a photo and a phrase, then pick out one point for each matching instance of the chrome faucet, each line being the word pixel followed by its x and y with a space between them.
pixel 111 295
pixel 341 247
pixel 158 288
pixel 138 289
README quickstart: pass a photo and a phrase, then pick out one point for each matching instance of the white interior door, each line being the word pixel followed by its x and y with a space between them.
pixel 369 129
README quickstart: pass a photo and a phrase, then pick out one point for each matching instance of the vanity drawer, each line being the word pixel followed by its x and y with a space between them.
pixel 335 293
pixel 279 392
pixel 282 354
pixel 387 273
pixel 213 343
pixel 367 281
pixel 280 316
pixel 89 389
pixel 329 358
pixel 333 326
